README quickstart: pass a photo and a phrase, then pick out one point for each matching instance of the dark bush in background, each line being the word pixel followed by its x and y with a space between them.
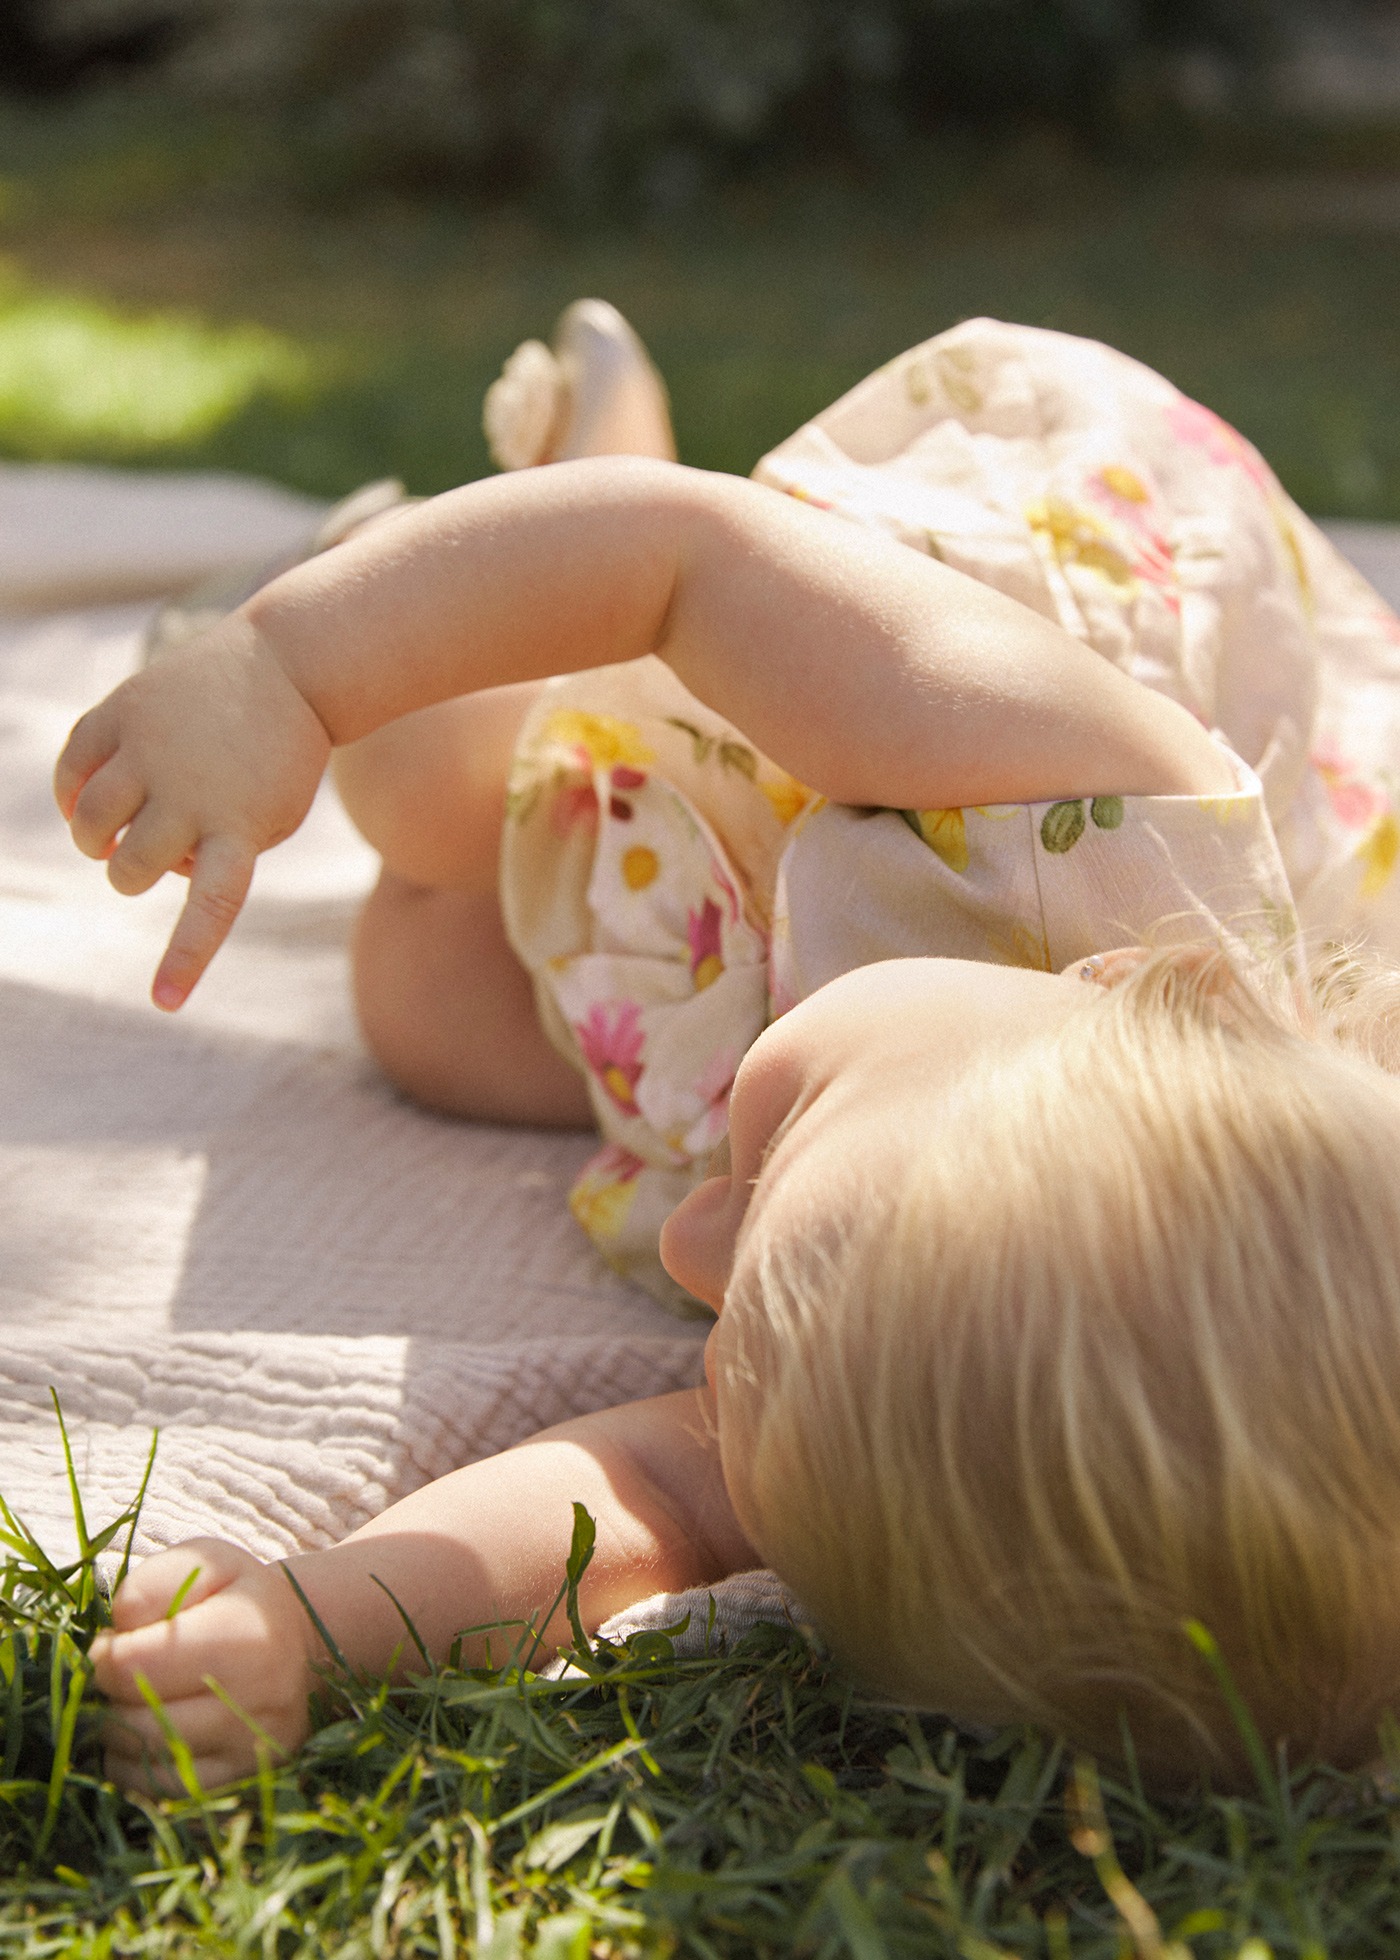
pixel 589 98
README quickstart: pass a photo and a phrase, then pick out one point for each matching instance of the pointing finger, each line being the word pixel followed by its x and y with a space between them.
pixel 219 881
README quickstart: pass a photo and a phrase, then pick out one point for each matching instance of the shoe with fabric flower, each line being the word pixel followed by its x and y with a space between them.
pixel 593 392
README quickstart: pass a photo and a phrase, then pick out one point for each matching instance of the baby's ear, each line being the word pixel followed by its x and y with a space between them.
pixel 1196 984
pixel 1109 970
pixel 167 1583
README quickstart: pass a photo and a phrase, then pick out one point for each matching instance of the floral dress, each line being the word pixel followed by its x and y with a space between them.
pixel 670 890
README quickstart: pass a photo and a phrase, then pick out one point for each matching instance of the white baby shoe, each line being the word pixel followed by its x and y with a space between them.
pixel 594 393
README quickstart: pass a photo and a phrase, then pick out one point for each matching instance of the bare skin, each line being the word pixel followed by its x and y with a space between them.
pixel 880 676
pixel 485 1544
pixel 444 1005
pixel 873 674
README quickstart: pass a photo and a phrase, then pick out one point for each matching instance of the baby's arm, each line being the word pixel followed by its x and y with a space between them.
pixel 487 1543
pixel 870 672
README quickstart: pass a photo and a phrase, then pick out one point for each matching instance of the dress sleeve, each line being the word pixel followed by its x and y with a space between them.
pixel 1029 884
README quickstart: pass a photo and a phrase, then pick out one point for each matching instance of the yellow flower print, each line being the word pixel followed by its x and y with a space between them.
pixel 788 797
pixel 603 1195
pixel 1024 945
pixel 1077 537
pixel 703 930
pixel 1378 851
pixel 601 1208
pixel 640 866
pixel 1124 484
pixel 603 739
pixel 1294 550
pixel 1226 810
pixel 945 833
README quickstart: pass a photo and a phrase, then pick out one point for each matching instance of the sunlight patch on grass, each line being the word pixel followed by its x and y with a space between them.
pixel 79 378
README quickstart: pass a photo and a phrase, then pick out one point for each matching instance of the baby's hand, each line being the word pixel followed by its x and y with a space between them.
pixel 237 1622
pixel 194 765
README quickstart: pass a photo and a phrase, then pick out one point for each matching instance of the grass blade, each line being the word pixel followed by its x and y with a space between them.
pixel 581 1544
pixel 1206 1645
pixel 136 1508
pixel 63 1751
pixel 75 1495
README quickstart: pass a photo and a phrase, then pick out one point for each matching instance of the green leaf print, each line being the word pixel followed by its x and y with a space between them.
pixel 917 384
pixel 1107 811
pixel 699 741
pixel 521 800
pixel 732 755
pixel 1062 826
pixel 954 366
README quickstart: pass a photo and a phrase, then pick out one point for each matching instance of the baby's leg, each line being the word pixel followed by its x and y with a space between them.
pixel 444 1005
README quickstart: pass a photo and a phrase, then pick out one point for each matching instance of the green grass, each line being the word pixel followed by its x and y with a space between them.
pixel 747 1805
pixel 76 375
pixel 326 342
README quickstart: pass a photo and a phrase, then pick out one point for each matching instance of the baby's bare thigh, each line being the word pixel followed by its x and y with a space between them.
pixel 428 791
pixel 444 1004
pixel 448 1011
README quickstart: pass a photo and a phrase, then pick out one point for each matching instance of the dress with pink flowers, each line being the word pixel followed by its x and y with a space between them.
pixel 671 890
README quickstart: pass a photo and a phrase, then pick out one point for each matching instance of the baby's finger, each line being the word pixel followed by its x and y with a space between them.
pixel 153 845
pixel 173 1656
pixel 91 742
pixel 181 1578
pixel 107 801
pixel 219 881
pixel 202 1722
pixel 152 1772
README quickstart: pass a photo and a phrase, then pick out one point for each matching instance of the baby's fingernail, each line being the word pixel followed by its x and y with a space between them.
pixel 167 994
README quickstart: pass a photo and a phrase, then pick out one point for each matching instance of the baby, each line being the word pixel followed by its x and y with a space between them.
pixel 1056 1279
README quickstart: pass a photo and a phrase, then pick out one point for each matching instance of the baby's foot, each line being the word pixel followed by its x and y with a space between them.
pixel 595 393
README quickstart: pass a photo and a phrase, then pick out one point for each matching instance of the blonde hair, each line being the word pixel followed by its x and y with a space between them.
pixel 1117 1346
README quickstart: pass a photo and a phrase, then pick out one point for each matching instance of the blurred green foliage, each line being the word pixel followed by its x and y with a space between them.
pixel 76 376
pixel 324 343
pixel 592 100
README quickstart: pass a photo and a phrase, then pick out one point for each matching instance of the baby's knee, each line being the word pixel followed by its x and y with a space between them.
pixel 448 1012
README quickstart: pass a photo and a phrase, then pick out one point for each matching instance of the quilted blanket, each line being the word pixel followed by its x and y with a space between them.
pixel 227 1226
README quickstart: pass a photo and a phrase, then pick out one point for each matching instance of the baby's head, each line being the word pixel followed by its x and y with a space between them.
pixel 1067 1316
